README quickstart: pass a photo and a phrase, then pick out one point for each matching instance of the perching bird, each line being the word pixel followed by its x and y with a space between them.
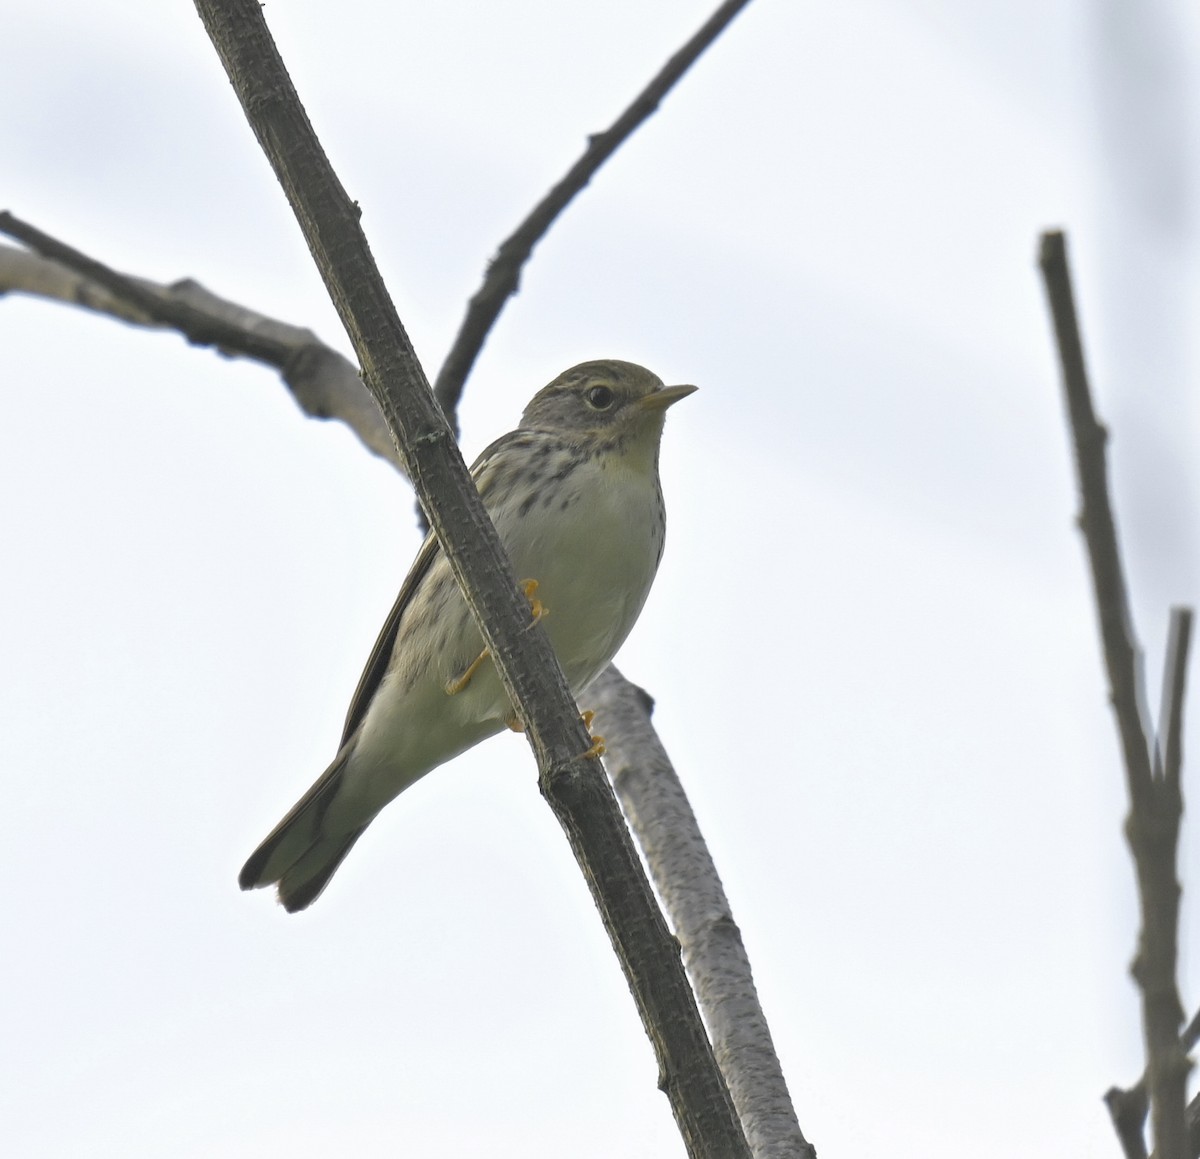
pixel 574 493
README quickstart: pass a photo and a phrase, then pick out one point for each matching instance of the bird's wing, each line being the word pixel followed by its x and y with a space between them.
pixel 381 654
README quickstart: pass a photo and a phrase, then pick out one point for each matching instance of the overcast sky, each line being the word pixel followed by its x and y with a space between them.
pixel 871 643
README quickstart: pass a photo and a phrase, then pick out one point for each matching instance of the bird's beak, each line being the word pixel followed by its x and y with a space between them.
pixel 661 399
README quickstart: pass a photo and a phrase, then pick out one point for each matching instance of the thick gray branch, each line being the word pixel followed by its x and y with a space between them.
pixel 659 812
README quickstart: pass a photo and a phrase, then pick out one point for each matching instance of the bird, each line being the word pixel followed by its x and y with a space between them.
pixel 575 495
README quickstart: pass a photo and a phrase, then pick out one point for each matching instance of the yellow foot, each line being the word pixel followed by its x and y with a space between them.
pixel 530 587
pixel 455 686
pixel 514 722
pixel 597 748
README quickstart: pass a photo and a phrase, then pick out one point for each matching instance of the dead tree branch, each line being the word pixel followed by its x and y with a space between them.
pixel 1152 766
pixel 683 870
pixel 504 271
pixel 324 384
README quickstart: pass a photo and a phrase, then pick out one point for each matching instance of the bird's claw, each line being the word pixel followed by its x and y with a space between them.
pixel 597 747
pixel 539 610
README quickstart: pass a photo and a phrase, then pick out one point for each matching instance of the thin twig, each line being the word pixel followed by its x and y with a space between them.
pixel 504 271
pixel 574 786
pixel 1152 828
pixel 1169 747
pixel 1121 653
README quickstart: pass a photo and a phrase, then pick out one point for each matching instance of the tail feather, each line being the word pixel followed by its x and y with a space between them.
pixel 302 884
pixel 300 853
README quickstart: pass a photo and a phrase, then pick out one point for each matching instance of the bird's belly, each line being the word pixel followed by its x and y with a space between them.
pixel 594 563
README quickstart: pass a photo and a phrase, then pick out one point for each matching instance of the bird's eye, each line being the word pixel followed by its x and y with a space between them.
pixel 600 397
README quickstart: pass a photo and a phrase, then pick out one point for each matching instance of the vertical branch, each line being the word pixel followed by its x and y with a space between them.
pixel 1122 657
pixel 1169 749
pixel 1151 766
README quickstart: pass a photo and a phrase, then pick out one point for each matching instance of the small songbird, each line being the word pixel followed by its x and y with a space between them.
pixel 575 496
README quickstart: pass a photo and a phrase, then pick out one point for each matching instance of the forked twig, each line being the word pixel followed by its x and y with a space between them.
pixel 1152 766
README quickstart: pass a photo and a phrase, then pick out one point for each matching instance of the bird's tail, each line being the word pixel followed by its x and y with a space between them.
pixel 302 852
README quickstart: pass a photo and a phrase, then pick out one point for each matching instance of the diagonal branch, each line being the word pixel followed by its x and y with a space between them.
pixel 323 382
pixel 574 786
pixel 660 813
pixel 1188 1040
pixel 504 272
pixel 1152 828
pixel 197 326
pixel 23 271
pixel 1121 654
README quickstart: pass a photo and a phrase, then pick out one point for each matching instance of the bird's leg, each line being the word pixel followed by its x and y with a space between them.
pixel 455 686
pixel 597 748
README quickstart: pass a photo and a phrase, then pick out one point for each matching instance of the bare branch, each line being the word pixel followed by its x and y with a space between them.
pixel 1169 749
pixel 1127 1109
pixel 1152 828
pixel 504 271
pixel 660 814
pixel 24 272
pixel 324 384
pixel 1191 1033
pixel 1121 653
pixel 196 326
pixel 575 787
